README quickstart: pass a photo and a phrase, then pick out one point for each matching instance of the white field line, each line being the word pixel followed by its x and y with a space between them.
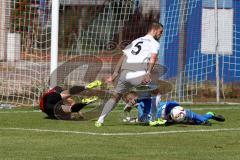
pixel 122 134
pixel 214 108
pixel 5 111
pixel 196 109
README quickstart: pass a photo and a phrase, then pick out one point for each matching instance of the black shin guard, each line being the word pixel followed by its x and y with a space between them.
pixel 77 107
pixel 76 89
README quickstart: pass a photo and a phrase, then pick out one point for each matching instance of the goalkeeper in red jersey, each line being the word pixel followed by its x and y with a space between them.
pixel 55 95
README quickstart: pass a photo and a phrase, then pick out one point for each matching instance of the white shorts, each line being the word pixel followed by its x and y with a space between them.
pixel 129 79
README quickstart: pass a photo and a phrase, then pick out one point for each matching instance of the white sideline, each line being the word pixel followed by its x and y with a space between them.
pixel 122 134
pixel 196 109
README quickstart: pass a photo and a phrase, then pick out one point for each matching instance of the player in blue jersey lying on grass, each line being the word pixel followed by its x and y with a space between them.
pixel 174 113
pixel 52 97
pixel 144 105
pixel 167 112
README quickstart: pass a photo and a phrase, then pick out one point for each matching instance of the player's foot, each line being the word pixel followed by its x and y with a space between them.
pixel 132 120
pixel 126 119
pixel 89 100
pixel 98 124
pixel 153 123
pixel 161 121
pixel 129 120
pixel 94 84
pixel 219 118
pixel 211 113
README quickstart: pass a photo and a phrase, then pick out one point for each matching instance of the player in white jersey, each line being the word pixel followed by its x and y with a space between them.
pixel 134 67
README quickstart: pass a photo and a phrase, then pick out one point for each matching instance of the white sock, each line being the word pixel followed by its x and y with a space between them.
pixel 111 103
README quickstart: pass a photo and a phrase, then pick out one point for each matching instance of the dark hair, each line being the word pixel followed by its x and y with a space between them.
pixel 58 89
pixel 155 26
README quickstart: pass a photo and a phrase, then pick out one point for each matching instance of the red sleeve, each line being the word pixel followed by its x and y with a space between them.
pixel 41 100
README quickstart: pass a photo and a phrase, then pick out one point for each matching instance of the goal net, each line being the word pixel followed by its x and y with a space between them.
pixel 195 32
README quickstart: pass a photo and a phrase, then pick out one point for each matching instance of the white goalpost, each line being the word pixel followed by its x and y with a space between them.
pixel 54 43
pixel 216 52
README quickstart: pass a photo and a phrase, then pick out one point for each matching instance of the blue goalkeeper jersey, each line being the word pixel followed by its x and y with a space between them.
pixel 144 109
pixel 165 108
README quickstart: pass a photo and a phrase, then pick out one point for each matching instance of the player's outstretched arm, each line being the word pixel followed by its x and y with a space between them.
pixel 147 77
pixel 116 70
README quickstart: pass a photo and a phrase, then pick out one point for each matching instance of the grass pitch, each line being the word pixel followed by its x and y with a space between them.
pixel 28 134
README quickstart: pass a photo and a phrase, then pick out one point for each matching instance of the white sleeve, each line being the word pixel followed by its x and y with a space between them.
pixel 127 49
pixel 155 48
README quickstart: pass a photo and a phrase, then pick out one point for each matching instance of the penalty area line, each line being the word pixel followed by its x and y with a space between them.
pixel 123 133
